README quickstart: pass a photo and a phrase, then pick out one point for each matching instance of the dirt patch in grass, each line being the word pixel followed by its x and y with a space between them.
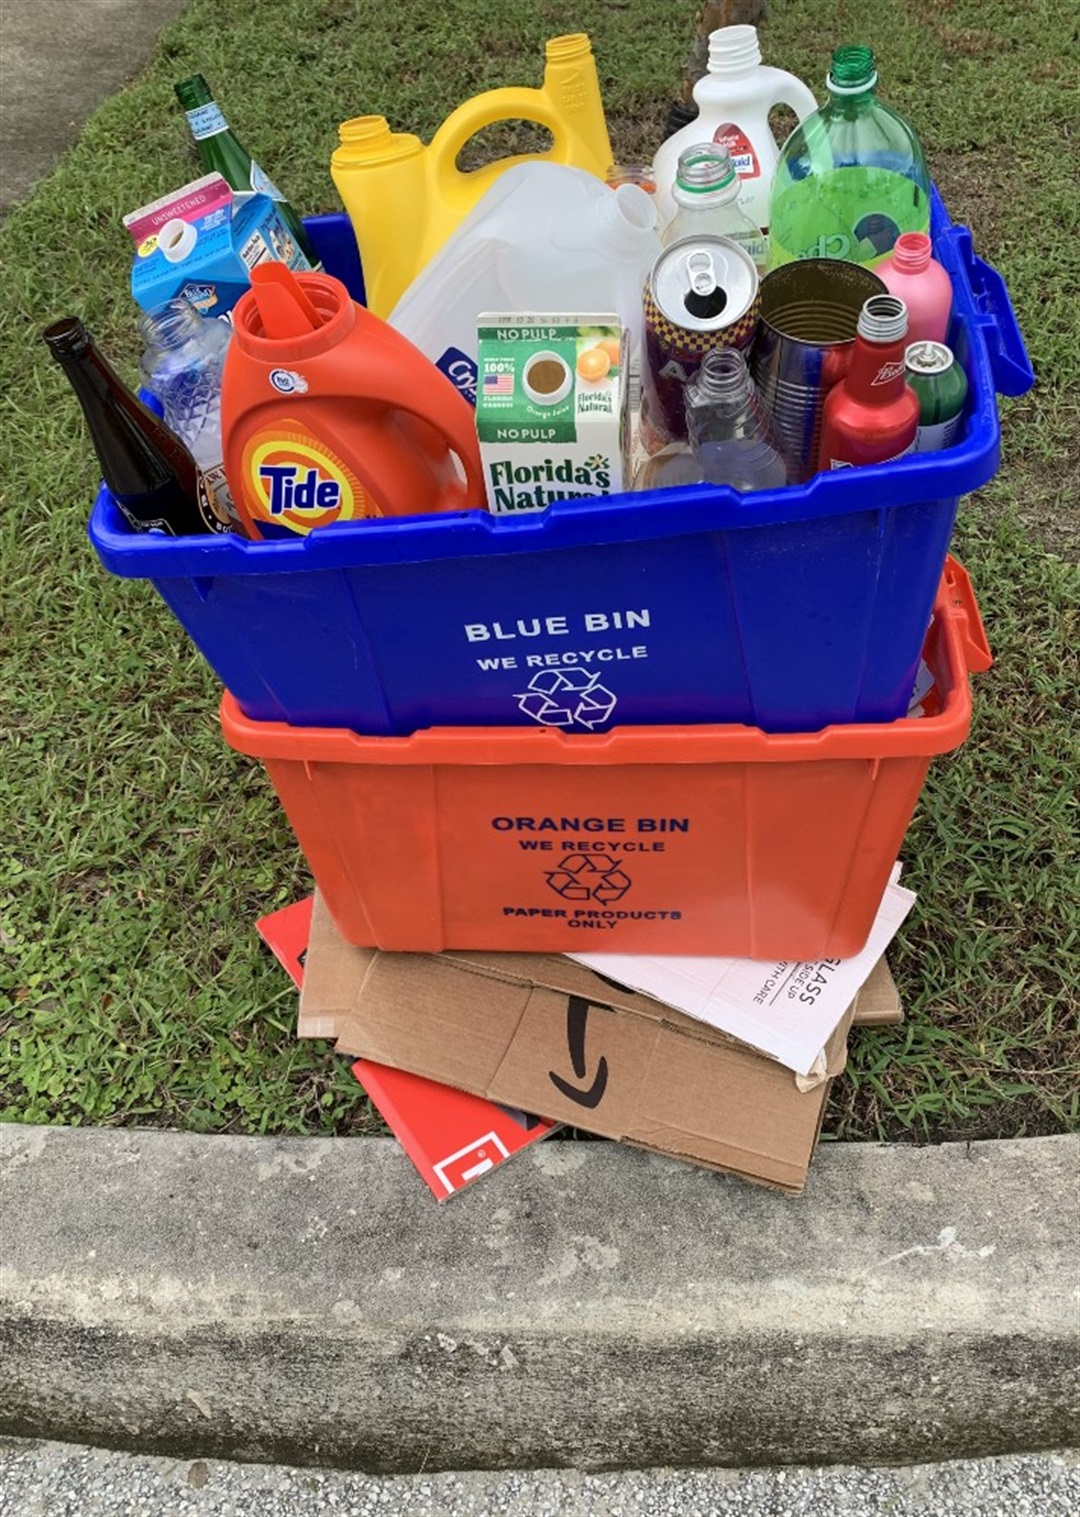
pixel 1044 495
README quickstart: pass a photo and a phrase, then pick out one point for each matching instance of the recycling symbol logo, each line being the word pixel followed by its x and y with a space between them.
pixel 567 697
pixel 589 877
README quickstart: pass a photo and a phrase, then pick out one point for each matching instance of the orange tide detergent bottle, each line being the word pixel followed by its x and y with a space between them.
pixel 329 415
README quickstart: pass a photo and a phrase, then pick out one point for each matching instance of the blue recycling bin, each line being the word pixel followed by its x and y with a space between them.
pixel 790 609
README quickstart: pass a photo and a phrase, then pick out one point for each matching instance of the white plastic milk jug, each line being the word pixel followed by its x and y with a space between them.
pixel 544 238
pixel 734 100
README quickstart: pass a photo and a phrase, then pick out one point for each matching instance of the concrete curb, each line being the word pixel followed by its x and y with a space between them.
pixel 304 1301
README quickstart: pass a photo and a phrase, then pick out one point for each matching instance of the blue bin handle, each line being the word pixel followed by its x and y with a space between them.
pixel 994 317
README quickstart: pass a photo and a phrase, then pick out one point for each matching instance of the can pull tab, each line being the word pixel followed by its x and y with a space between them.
pixel 705 298
pixel 284 309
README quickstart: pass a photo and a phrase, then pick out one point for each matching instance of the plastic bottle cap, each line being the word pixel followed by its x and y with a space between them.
pixel 176 239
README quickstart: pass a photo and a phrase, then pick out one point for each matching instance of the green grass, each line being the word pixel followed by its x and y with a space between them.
pixel 141 849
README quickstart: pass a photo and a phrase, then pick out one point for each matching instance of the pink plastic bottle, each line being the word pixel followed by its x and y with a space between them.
pixel 912 273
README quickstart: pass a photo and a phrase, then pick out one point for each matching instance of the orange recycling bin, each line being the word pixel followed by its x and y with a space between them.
pixel 667 840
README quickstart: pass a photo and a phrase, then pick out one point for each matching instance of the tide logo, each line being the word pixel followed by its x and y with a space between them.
pixel 292 491
pixel 297 483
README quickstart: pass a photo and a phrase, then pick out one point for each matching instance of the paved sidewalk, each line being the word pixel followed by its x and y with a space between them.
pixel 58 61
pixel 61 1480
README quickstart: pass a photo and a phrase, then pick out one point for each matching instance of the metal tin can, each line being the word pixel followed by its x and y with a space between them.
pixel 941 386
pixel 809 313
pixel 702 294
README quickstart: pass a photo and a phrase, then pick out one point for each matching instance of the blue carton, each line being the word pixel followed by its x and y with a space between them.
pixel 788 609
pixel 201 243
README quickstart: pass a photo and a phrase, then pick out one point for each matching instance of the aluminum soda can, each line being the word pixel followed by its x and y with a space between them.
pixel 702 294
pixel 941 386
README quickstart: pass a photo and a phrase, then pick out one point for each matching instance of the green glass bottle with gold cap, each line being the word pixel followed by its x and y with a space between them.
pixel 852 177
pixel 220 151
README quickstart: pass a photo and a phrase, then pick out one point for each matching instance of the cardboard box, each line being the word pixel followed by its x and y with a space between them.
pixel 547 1035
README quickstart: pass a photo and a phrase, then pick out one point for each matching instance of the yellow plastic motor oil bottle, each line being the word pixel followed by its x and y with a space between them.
pixel 405 199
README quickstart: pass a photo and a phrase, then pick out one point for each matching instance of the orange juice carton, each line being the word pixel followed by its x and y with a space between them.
pixel 551 408
pixel 201 243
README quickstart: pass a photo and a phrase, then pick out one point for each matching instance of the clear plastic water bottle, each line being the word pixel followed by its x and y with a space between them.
pixel 182 365
pixel 706 195
pixel 730 430
pixel 733 440
pixel 851 178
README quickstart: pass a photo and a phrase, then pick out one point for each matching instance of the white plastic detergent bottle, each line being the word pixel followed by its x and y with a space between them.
pixel 734 100
pixel 544 238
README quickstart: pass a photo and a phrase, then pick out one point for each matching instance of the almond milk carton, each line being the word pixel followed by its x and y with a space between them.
pixel 551 408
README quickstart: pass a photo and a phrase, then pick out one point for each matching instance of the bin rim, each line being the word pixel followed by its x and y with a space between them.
pixel 956 647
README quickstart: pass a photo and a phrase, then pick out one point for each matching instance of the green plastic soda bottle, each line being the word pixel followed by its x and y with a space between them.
pixel 851 178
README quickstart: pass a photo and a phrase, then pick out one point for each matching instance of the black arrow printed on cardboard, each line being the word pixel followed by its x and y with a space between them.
pixel 577 1012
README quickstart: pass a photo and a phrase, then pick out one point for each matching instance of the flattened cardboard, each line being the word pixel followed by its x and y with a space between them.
pixel 785 1009
pixel 878 1002
pixel 452 1138
pixel 287 932
pixel 547 1035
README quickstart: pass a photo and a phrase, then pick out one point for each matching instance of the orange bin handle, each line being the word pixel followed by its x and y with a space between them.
pixel 962 596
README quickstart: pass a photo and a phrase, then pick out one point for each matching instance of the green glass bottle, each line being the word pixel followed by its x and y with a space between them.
pixel 222 152
pixel 851 177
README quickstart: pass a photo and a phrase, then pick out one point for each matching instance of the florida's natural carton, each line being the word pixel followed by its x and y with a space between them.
pixel 544 1034
pixel 551 408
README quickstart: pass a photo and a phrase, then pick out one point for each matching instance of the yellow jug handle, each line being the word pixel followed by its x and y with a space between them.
pixel 511 104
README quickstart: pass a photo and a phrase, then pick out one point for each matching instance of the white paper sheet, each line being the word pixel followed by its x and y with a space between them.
pixel 787 1010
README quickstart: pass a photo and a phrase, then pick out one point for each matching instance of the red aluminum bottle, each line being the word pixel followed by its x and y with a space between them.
pixel 872 415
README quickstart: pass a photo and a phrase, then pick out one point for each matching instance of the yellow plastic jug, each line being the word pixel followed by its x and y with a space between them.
pixel 404 199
